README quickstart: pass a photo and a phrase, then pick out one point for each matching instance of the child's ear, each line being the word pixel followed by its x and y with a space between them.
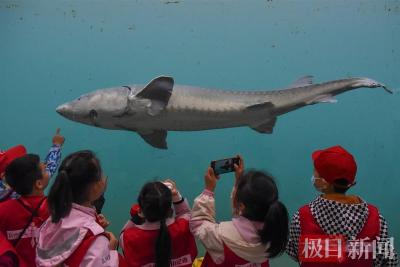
pixel 325 185
pixel 39 185
pixel 241 208
pixel 322 185
pixel 140 213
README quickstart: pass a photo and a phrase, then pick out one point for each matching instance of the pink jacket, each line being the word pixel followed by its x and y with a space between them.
pixel 57 241
pixel 240 235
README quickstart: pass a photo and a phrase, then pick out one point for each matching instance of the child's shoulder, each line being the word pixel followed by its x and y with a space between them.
pixel 338 199
pixel 7 203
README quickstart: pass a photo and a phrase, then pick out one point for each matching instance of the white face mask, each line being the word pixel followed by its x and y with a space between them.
pixel 313 179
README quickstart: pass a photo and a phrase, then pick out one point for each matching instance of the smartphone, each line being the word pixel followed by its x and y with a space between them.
pixel 224 165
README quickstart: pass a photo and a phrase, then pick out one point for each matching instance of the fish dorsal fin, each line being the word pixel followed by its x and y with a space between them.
pixel 159 89
pixel 156 138
pixel 303 81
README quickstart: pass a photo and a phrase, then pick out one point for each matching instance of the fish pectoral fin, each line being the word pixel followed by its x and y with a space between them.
pixel 303 81
pixel 265 127
pixel 326 98
pixel 159 89
pixel 265 109
pixel 156 138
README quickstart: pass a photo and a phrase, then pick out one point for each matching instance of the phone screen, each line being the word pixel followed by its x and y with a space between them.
pixel 224 165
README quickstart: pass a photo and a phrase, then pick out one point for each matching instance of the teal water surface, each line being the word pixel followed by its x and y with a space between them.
pixel 53 51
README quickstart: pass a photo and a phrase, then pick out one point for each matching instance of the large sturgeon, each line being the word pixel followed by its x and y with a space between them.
pixel 154 109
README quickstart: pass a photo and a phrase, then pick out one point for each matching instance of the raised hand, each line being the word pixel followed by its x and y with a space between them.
pixel 210 179
pixel 239 169
pixel 58 139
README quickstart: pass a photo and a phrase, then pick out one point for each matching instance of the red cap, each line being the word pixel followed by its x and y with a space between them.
pixel 6 157
pixel 335 163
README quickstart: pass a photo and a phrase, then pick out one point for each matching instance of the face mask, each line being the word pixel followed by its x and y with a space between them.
pixel 312 180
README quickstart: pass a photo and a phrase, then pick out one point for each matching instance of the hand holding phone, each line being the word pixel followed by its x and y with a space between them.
pixel 225 165
pixel 210 179
pixel 239 168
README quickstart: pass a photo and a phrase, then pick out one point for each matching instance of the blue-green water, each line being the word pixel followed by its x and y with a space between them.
pixel 54 51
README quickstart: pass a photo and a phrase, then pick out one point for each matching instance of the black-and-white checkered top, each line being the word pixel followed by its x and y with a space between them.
pixel 338 218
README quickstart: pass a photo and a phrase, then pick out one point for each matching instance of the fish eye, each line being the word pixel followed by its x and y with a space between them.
pixel 93 114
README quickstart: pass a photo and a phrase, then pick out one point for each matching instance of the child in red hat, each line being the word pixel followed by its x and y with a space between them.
pixel 6 157
pixel 335 213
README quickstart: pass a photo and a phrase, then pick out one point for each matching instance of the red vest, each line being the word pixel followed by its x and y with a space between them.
pixel 231 260
pixel 8 255
pixel 77 256
pixel 371 229
pixel 139 245
pixel 15 216
pixel 75 259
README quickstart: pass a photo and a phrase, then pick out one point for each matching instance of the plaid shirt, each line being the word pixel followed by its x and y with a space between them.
pixel 335 217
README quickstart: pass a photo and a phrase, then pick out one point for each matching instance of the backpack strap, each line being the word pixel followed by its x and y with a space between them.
pixel 34 213
pixel 5 194
pixel 77 256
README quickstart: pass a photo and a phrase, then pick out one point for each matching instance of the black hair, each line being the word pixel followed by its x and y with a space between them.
pixel 76 173
pixel 341 186
pixel 155 200
pixel 99 203
pixel 136 219
pixel 259 194
pixel 23 172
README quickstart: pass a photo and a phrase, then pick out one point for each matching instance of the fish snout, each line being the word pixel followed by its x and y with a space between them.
pixel 61 109
pixel 64 110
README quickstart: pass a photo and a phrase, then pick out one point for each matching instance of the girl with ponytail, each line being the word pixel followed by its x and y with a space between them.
pixel 259 227
pixel 72 235
pixel 159 239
